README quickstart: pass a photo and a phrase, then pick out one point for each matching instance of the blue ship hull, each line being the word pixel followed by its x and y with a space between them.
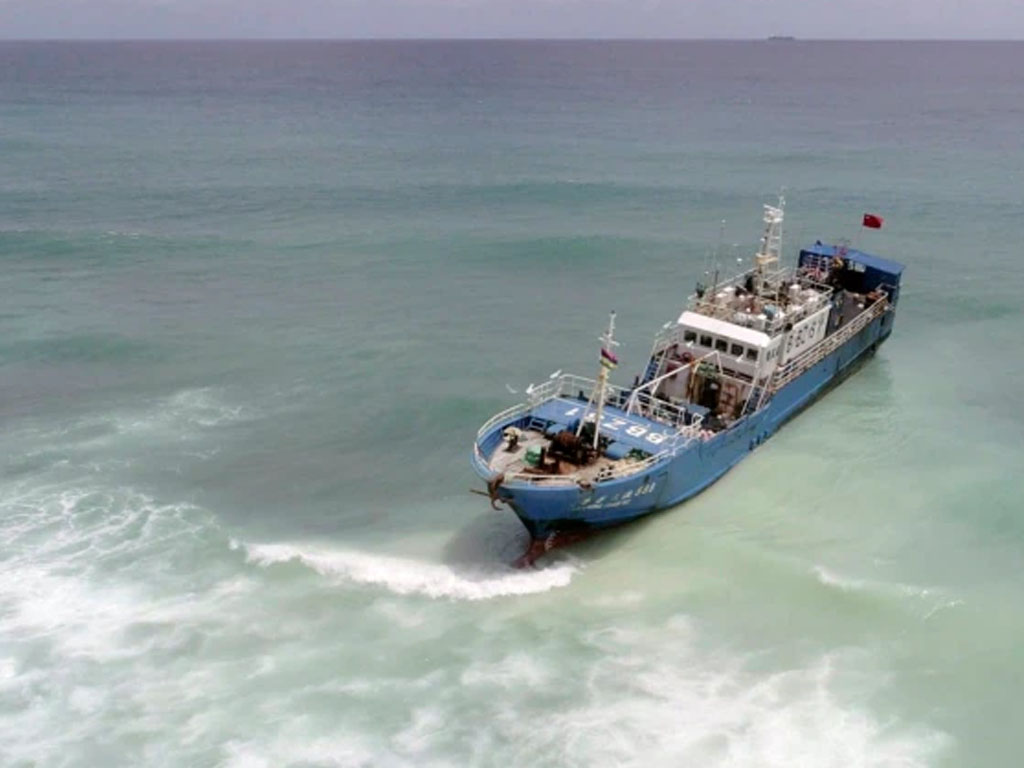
pixel 570 509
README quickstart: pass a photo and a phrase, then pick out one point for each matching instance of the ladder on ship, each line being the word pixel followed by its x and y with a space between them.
pixel 818 265
pixel 753 401
pixel 653 366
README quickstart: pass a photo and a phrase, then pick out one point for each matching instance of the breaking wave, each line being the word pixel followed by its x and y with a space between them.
pixel 411 577
pixel 113 603
pixel 931 598
pixel 100 589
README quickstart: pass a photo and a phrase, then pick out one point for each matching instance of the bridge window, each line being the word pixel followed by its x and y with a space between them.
pixel 736 350
pixel 721 345
pixel 751 353
pixel 705 341
pixel 689 336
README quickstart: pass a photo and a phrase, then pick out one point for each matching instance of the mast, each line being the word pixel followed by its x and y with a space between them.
pixel 771 241
pixel 608 362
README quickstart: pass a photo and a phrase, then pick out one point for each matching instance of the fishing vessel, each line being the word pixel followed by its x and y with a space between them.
pixel 745 355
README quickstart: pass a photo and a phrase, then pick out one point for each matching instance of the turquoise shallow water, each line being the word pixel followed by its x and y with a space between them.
pixel 258 297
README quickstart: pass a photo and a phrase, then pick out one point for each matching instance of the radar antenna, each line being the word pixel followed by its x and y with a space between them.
pixel 771 240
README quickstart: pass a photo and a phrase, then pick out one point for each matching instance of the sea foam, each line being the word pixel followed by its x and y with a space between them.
pixel 653 696
pixel 405 576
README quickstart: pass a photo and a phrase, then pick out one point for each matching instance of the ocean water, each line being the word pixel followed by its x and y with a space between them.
pixel 258 297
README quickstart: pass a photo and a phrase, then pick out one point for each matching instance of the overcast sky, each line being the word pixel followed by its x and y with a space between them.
pixel 999 19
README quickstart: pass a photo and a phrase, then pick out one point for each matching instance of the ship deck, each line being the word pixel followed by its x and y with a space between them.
pixel 514 462
pixel 631 429
pixel 630 433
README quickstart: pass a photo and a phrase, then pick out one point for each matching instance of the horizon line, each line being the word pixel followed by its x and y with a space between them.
pixel 438 39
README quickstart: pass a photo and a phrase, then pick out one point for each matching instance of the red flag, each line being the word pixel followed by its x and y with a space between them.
pixel 873 221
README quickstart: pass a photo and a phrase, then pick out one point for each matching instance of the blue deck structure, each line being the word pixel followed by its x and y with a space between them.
pixel 743 358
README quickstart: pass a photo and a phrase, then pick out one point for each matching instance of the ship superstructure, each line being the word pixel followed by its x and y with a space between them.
pixel 743 356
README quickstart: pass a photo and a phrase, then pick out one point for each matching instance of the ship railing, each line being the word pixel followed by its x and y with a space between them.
pixel 806 360
pixel 714 357
pixel 536 395
pixel 643 404
pixel 509 414
pixel 708 306
pixel 664 412
pixel 768 326
pixel 671 334
pixel 666 337
pixel 768 277
pixel 561 386
pixel 636 402
pixel 650 387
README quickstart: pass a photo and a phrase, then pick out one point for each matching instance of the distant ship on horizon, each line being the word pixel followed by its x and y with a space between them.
pixel 782 37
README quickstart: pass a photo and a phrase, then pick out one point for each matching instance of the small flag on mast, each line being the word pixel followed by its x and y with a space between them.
pixel 873 221
pixel 608 358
